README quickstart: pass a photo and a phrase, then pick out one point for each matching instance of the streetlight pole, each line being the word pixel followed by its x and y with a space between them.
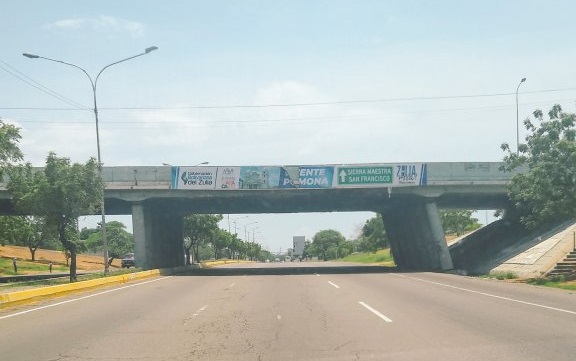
pixel 246 231
pixel 94 83
pixel 517 122
pixel 235 221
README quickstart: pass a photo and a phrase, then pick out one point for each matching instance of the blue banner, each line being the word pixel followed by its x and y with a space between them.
pixel 306 177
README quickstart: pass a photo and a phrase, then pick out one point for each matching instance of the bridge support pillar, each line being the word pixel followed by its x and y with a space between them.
pixel 416 237
pixel 158 237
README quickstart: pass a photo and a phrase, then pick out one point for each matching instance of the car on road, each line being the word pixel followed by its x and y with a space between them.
pixel 128 261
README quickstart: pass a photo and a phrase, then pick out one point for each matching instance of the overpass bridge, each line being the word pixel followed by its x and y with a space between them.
pixel 408 195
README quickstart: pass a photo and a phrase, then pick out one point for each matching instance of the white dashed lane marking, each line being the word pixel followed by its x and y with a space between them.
pixel 334 284
pixel 374 311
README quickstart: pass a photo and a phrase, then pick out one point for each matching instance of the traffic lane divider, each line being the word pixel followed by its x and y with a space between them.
pixel 222 262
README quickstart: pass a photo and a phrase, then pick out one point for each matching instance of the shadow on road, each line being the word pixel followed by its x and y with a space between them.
pixel 274 271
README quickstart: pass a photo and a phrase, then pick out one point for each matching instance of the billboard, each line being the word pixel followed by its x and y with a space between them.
pixel 300 176
pixel 306 177
pixel 228 178
pixel 193 177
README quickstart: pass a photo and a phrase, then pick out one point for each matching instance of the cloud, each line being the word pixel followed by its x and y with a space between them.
pixel 101 24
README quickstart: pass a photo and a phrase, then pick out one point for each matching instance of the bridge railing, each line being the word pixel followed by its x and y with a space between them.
pixel 438 173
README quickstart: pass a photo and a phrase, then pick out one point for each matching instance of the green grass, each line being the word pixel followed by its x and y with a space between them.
pixel 562 285
pixel 27 267
pixel 503 275
pixel 556 282
pixel 381 257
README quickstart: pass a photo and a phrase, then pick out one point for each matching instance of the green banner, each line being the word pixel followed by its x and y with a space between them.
pixel 365 175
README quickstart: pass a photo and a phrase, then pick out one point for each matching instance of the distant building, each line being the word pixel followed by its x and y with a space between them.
pixel 299 242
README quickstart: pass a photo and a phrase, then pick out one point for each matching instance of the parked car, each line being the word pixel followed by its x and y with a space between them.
pixel 128 261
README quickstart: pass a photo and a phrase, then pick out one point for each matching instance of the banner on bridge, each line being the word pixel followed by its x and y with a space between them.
pixel 300 177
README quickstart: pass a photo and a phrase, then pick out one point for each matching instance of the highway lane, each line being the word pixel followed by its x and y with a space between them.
pixel 396 316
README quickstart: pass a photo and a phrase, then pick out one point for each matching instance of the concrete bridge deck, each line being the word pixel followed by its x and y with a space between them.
pixel 409 212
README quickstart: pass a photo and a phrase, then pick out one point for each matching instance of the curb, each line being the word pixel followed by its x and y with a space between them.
pixel 209 264
pixel 58 289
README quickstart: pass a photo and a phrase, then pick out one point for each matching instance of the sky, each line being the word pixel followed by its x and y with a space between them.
pixel 283 83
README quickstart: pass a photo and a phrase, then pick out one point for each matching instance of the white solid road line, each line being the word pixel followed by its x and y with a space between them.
pixel 374 311
pixel 488 294
pixel 83 298
pixel 334 284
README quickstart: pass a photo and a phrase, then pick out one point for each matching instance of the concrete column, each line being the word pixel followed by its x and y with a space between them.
pixel 139 232
pixel 416 237
pixel 439 247
pixel 158 235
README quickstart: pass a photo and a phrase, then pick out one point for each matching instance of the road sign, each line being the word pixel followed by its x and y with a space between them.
pixel 367 175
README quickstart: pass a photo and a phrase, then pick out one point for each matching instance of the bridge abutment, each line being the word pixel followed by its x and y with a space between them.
pixel 416 237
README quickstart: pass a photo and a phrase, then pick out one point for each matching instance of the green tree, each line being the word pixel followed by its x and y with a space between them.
pixel 8 230
pixel 199 229
pixel 373 235
pixel 60 194
pixel 236 247
pixel 34 232
pixel 119 240
pixel 546 191
pixel 85 233
pixel 254 251
pixel 458 222
pixel 220 240
pixel 9 151
pixel 324 241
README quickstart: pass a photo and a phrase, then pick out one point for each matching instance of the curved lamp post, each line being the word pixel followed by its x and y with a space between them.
pixel 517 123
pixel 246 230
pixel 235 221
pixel 94 83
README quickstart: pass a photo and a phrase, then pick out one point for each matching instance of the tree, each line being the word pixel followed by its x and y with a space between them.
pixel 120 241
pixel 323 241
pixel 546 192
pixel 9 150
pixel 373 235
pixel 85 233
pixel 254 251
pixel 60 194
pixel 198 229
pixel 458 222
pixel 33 232
pixel 7 230
pixel 220 241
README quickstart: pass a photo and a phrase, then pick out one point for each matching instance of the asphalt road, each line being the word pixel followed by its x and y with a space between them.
pixel 316 316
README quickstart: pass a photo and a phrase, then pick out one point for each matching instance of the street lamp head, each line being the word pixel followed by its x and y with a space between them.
pixel 31 56
pixel 152 48
pixel 523 80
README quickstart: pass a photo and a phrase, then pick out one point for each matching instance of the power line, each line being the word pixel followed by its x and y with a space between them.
pixel 342 102
pixel 33 83
pixel 387 100
pixel 346 117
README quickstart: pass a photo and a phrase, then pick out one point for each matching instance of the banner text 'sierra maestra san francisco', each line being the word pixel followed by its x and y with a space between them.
pixel 300 177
